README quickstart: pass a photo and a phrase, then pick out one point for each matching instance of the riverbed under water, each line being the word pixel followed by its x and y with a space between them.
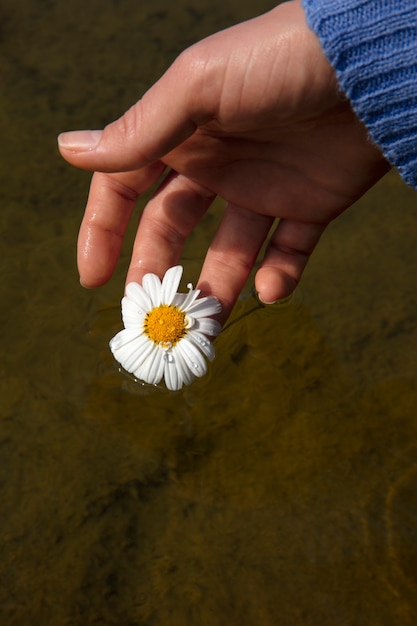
pixel 280 489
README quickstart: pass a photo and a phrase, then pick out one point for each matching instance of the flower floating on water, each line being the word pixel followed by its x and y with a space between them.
pixel 166 333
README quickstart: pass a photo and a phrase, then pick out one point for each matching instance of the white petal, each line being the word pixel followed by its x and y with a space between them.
pixel 144 366
pixel 193 358
pixel 179 299
pixel 123 337
pixel 152 370
pixel 176 371
pixel 170 284
pixel 208 326
pixel 132 315
pixel 138 295
pixel 204 307
pixel 153 287
pixel 202 343
pixel 136 359
pixel 190 297
pixel 173 379
pixel 183 369
pixel 130 351
pixel 133 354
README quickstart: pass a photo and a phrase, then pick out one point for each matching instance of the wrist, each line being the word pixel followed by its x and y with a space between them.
pixel 373 51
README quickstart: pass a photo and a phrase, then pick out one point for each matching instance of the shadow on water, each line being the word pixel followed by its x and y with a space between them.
pixel 278 489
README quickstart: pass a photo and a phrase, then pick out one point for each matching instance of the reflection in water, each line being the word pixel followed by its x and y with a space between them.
pixel 278 489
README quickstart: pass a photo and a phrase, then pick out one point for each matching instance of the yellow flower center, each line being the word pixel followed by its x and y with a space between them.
pixel 165 325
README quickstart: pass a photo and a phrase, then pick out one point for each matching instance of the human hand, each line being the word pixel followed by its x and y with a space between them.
pixel 252 114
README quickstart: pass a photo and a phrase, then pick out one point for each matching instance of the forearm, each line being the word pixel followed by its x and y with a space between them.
pixel 373 47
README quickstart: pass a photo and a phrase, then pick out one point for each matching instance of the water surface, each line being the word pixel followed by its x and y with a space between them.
pixel 278 490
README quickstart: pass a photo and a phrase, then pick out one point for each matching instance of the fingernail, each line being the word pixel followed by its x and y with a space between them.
pixel 80 140
pixel 265 302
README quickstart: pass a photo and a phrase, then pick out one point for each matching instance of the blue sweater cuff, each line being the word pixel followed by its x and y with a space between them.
pixel 372 45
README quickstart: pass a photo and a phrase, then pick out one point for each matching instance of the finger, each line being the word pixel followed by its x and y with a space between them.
pixel 287 254
pixel 168 219
pixel 232 255
pixel 109 207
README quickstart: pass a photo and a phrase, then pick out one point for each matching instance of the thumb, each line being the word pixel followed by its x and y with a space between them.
pixel 151 128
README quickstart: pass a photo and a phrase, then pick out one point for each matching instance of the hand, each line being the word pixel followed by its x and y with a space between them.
pixel 252 114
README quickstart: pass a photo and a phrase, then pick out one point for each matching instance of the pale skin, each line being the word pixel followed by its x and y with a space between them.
pixel 252 114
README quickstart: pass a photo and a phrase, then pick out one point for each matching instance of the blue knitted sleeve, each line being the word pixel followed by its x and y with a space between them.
pixel 372 45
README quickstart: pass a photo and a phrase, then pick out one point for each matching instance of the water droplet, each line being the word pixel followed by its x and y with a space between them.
pixel 195 365
pixel 202 341
pixel 168 357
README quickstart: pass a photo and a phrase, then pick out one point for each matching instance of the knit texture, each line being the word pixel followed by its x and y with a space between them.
pixel 372 45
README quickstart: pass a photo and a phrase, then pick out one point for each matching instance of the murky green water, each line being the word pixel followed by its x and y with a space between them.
pixel 280 490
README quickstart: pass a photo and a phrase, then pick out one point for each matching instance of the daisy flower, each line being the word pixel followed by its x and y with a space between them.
pixel 165 333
